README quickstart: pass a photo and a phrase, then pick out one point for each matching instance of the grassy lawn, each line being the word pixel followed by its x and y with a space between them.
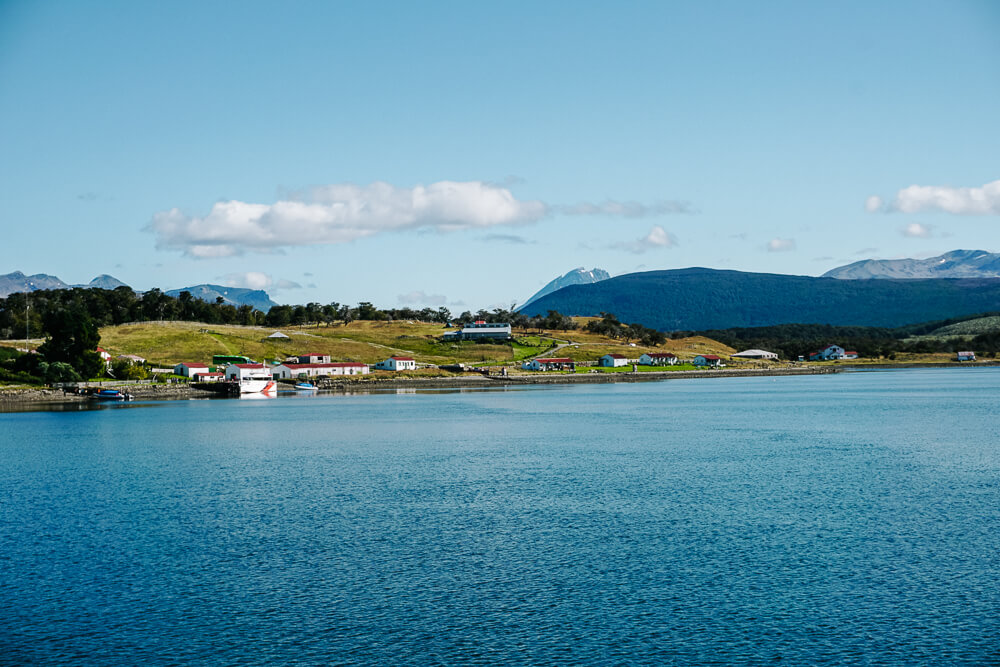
pixel 530 346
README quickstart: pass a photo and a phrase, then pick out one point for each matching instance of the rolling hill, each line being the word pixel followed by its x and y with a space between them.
pixel 699 299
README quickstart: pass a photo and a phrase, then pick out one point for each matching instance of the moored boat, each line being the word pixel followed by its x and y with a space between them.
pixel 306 386
pixel 252 378
pixel 112 395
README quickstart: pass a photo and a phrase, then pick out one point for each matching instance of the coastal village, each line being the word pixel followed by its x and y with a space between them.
pixel 274 364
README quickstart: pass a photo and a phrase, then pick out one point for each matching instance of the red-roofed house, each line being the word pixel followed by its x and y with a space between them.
pixel 850 354
pixel 397 364
pixel 105 356
pixel 209 377
pixel 189 370
pixel 613 360
pixel 552 364
pixel 295 371
pixel 658 359
pixel 711 360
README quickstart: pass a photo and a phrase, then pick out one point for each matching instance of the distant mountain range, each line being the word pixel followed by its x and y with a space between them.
pixel 578 276
pixel 16 282
pixel 954 264
pixel 234 296
pixel 697 299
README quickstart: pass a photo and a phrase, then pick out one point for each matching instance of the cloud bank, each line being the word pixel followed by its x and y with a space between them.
pixel 342 213
pixel 338 214
pixel 983 200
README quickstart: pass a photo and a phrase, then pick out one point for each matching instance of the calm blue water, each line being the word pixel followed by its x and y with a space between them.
pixel 827 519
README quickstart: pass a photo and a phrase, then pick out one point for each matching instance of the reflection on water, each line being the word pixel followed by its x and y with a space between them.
pixel 68 406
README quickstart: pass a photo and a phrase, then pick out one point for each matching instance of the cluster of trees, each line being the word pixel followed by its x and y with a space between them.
pixel 609 326
pixel 790 341
pixel 23 314
pixel 68 354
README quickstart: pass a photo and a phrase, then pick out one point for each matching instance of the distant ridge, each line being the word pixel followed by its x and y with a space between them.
pixel 17 281
pixel 954 264
pixel 699 299
pixel 13 283
pixel 234 296
pixel 578 276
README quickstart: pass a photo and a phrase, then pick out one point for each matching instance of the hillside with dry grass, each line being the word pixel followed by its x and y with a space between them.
pixel 167 343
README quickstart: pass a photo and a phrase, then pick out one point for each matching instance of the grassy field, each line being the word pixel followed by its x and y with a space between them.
pixel 168 343
pixel 367 342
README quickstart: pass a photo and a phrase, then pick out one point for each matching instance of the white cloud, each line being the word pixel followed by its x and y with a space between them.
pixel 627 209
pixel 257 280
pixel 873 204
pixel 657 238
pixel 339 214
pixel 780 245
pixel 916 230
pixel 420 298
pixel 983 200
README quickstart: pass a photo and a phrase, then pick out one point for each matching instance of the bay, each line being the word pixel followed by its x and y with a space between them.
pixel 847 518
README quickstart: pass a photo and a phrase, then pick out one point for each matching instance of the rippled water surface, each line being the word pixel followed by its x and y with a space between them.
pixel 850 519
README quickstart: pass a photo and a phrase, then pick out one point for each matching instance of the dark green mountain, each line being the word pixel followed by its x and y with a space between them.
pixel 699 298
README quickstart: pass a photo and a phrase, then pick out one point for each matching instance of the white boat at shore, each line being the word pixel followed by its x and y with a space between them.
pixel 258 386
pixel 252 378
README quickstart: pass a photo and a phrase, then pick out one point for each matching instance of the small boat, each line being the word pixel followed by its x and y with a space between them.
pixel 112 395
pixel 306 386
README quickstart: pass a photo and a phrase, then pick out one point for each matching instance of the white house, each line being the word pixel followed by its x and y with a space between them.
pixel 397 364
pixel 755 354
pixel 248 372
pixel 613 360
pixel 552 364
pixel 295 371
pixel 966 356
pixel 850 354
pixel 209 377
pixel 658 359
pixel 481 329
pixel 189 370
pixel 710 360
pixel 313 358
pixel 105 356
pixel 828 353
pixel 131 358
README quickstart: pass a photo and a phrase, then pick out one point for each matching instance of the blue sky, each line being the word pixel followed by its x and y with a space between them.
pixel 464 154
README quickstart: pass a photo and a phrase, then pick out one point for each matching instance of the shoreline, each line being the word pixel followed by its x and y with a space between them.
pixel 39 396
pixel 46 395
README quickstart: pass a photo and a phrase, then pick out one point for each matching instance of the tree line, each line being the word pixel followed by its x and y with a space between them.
pixel 790 341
